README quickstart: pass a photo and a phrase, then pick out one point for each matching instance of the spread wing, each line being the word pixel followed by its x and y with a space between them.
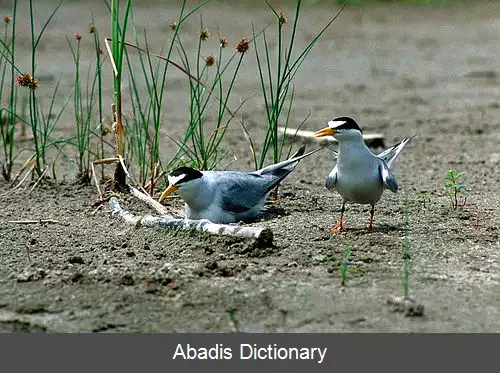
pixel 238 192
pixel 388 178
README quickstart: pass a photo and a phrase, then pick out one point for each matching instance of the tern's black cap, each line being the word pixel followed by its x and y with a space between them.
pixel 349 124
pixel 184 174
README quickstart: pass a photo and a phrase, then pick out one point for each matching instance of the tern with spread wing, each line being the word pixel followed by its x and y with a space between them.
pixel 359 175
pixel 229 196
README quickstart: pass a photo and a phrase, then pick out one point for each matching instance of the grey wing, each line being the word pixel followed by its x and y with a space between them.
pixel 388 179
pixel 239 192
pixel 331 179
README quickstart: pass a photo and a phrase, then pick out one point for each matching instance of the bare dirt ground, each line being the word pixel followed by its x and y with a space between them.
pixel 429 71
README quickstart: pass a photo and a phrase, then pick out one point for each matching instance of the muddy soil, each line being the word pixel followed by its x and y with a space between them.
pixel 400 70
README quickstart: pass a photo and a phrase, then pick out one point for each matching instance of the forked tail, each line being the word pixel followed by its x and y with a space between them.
pixel 289 164
pixel 390 154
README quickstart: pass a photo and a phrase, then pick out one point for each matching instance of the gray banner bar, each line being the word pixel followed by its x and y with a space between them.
pixel 248 352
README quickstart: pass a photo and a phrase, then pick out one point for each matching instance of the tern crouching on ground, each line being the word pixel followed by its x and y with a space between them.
pixel 229 196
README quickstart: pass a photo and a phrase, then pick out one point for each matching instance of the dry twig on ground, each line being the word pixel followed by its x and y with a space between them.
pixel 39 221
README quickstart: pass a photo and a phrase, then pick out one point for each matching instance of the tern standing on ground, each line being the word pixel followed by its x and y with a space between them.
pixel 359 175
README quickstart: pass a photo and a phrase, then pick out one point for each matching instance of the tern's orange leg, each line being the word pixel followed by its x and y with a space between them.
pixel 372 212
pixel 339 227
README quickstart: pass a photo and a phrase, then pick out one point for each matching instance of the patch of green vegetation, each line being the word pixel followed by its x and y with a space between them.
pixel 406 256
pixel 276 74
pixel 137 123
pixel 454 185
pixel 424 197
pixel 345 261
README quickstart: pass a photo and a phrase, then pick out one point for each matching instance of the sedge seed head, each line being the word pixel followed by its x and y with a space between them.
pixel 7 19
pixel 223 43
pixel 204 34
pixel 243 46
pixel 282 18
pixel 28 81
pixel 173 25
pixel 78 36
pixel 210 60
pixel 92 29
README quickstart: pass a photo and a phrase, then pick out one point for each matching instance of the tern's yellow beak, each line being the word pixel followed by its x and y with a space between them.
pixel 325 132
pixel 169 190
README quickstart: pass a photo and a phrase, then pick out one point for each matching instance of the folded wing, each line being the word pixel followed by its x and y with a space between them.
pixel 239 192
pixel 388 179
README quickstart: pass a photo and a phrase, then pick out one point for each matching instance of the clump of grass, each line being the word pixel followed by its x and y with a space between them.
pixel 48 122
pixel 201 144
pixel 41 126
pixel 145 124
pixel 84 101
pixel 138 126
pixel 42 123
pixel 276 79
pixel 345 262
pixel 97 83
pixel 211 80
pixel 118 32
pixel 82 114
pixel 454 185
pixel 8 117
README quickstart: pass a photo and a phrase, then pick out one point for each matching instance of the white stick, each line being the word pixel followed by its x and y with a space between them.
pixel 263 234
pixel 116 210
pixel 374 139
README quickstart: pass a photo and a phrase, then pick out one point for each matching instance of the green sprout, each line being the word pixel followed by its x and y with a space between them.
pixel 406 261
pixel 454 186
pixel 233 319
pixel 343 267
pixel 424 197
